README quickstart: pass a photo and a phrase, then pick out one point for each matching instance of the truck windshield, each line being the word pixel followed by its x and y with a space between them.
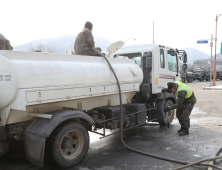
pixel 172 63
pixel 135 56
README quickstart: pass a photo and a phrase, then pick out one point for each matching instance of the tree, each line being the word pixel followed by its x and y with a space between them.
pixel 42 48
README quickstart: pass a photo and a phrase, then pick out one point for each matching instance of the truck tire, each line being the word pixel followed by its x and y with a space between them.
pixel 163 117
pixel 201 79
pixel 183 80
pixel 69 144
pixel 191 80
pixel 208 78
pixel 221 78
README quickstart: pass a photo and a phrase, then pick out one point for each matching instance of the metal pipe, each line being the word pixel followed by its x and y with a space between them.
pixel 116 118
pixel 129 39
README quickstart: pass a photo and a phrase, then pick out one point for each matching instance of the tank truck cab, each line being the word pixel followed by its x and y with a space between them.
pixel 160 65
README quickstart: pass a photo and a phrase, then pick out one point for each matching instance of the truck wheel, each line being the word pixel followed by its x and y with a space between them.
pixel 69 144
pixel 190 80
pixel 183 80
pixel 165 117
pixel 208 78
pixel 201 79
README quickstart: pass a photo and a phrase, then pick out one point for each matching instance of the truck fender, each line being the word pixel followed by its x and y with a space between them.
pixel 40 128
pixel 167 95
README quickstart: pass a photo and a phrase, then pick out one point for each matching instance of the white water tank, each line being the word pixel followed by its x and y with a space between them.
pixel 28 70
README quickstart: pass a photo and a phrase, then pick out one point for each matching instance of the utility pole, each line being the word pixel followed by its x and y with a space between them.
pixel 214 84
pixel 211 45
pixel 153 32
pixel 205 41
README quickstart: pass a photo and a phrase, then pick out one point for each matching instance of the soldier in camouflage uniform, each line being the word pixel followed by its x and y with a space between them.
pixel 84 42
pixel 4 43
pixel 185 103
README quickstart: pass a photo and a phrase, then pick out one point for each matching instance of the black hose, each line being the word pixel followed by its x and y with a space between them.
pixel 197 162
pixel 216 152
pixel 121 126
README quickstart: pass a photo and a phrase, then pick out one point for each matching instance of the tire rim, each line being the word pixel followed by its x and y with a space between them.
pixel 71 144
pixel 169 114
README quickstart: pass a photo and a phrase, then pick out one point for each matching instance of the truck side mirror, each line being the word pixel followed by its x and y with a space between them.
pixel 184 67
pixel 184 57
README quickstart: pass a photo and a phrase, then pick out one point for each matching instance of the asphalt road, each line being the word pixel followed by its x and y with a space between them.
pixel 110 154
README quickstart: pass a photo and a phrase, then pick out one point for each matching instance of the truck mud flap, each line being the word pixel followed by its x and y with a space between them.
pixel 34 149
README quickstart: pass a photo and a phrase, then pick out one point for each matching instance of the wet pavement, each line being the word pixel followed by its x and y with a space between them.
pixel 110 154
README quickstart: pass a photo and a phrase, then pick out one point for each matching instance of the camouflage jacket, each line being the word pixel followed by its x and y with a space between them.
pixel 4 43
pixel 182 102
pixel 84 42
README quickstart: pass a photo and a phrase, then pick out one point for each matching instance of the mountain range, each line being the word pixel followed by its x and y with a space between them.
pixel 62 42
pixel 194 54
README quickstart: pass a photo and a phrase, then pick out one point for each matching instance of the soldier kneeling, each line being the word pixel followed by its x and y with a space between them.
pixel 186 101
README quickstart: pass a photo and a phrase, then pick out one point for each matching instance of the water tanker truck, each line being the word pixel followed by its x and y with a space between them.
pixel 50 102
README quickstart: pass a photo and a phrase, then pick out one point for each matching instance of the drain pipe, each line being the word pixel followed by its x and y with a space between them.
pixel 141 152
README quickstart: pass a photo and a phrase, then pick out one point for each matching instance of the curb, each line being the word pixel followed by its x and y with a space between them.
pixel 210 88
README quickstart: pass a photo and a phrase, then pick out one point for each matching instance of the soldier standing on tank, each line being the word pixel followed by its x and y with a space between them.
pixel 84 42
pixel 5 43
pixel 185 103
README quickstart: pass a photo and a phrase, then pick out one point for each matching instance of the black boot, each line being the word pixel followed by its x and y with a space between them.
pixel 184 132
pixel 181 128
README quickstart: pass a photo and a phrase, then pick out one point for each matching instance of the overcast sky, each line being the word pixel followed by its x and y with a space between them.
pixel 178 23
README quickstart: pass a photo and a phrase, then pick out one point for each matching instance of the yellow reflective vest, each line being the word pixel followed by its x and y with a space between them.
pixel 184 87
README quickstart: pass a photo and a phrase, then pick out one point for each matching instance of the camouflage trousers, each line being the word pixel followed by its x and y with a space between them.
pixel 183 112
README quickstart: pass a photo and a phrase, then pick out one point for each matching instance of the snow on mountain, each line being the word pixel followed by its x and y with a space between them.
pixel 61 43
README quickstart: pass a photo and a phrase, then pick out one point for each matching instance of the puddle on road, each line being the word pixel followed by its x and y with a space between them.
pixel 200 119
pixel 196 110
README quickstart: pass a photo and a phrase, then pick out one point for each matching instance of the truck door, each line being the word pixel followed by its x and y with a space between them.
pixel 172 66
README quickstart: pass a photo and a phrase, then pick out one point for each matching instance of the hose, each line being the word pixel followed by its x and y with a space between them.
pixel 121 127
pixel 197 162
pixel 216 152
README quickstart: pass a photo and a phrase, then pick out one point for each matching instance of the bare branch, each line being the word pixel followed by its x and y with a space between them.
pixel 42 48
